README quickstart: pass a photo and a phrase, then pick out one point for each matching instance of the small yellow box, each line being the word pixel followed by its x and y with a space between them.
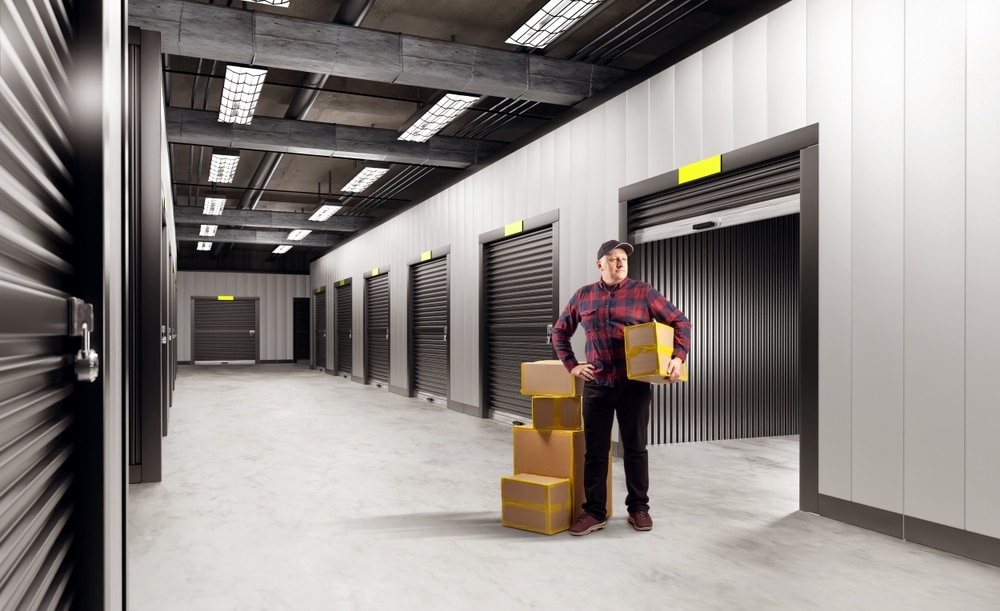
pixel 549 378
pixel 563 413
pixel 649 348
pixel 536 502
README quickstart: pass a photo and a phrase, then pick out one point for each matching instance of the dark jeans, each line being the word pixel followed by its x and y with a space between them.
pixel 600 403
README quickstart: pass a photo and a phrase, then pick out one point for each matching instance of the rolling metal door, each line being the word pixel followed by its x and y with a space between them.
pixel 520 306
pixel 300 328
pixel 320 338
pixel 429 328
pixel 377 327
pixel 345 329
pixel 739 285
pixel 769 180
pixel 225 331
pixel 39 506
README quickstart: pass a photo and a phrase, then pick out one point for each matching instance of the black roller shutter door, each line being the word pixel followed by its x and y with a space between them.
pixel 39 507
pixel 225 331
pixel 377 335
pixel 756 183
pixel 430 329
pixel 300 328
pixel 320 339
pixel 739 285
pixel 345 330
pixel 520 305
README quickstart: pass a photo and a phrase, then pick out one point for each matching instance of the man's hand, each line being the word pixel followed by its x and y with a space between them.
pixel 674 369
pixel 585 371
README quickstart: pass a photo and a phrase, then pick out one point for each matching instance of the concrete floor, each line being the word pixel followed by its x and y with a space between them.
pixel 284 488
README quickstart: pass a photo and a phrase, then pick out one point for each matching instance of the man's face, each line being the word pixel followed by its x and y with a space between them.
pixel 613 266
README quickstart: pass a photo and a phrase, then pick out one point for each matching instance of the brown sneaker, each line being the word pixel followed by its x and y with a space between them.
pixel 640 520
pixel 586 524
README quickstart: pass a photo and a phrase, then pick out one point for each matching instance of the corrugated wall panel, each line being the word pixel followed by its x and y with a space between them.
pixel 750 84
pixel 934 277
pixel 786 68
pixel 739 287
pixel 861 457
pixel 689 109
pixel 982 329
pixel 717 80
pixel 661 123
pixel 637 126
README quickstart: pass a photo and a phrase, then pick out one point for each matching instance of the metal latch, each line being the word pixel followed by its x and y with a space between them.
pixel 445 338
pixel 548 334
pixel 81 324
pixel 163 334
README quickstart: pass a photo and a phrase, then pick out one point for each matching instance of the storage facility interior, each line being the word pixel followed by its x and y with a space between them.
pixel 383 196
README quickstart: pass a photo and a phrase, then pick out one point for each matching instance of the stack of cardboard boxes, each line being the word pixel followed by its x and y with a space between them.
pixel 546 491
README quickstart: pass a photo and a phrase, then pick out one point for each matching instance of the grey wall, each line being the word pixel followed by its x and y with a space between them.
pixel 276 292
pixel 904 94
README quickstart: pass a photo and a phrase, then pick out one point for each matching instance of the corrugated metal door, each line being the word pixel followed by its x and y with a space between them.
pixel 300 328
pixel 320 338
pixel 520 306
pixel 377 330
pixel 345 329
pixel 740 286
pixel 225 331
pixel 39 504
pixel 429 329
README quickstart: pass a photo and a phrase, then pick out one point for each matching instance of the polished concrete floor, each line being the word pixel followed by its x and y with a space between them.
pixel 284 488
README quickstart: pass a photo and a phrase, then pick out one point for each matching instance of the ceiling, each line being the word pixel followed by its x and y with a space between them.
pixel 345 78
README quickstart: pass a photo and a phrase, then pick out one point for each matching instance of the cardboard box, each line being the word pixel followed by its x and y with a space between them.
pixel 649 347
pixel 536 502
pixel 555 453
pixel 549 378
pixel 562 413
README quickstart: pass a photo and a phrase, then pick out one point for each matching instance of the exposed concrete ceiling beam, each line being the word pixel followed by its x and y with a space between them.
pixel 248 236
pixel 202 127
pixel 266 39
pixel 264 219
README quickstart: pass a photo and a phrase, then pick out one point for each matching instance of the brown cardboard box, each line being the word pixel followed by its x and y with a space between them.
pixel 555 453
pixel 556 413
pixel 536 502
pixel 649 348
pixel 549 378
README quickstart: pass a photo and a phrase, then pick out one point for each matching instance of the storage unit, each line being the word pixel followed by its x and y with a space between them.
pixel 225 329
pixel 429 329
pixel 319 340
pixel 344 335
pixel 377 329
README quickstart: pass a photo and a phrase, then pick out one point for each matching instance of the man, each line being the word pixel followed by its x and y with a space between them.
pixel 604 309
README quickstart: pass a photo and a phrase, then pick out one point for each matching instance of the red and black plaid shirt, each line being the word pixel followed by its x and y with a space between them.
pixel 604 314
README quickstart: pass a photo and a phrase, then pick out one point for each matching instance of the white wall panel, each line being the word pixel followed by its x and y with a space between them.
pixel 276 292
pixel 661 123
pixel 828 97
pixel 717 81
pixel 688 108
pixel 786 68
pixel 637 128
pixel 982 327
pixel 750 84
pixel 934 262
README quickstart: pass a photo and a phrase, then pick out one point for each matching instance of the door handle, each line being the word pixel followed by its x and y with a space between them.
pixel 445 338
pixel 252 332
pixel 548 334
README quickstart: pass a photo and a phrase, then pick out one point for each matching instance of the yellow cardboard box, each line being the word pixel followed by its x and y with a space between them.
pixel 549 378
pixel 556 413
pixel 555 453
pixel 649 347
pixel 536 502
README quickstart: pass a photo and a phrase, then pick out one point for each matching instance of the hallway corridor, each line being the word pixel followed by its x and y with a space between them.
pixel 284 488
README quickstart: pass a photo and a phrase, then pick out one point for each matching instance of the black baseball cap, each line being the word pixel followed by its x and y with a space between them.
pixel 613 244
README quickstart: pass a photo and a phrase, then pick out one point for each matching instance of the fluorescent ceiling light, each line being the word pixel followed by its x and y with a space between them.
pixel 208 231
pixel 298 234
pixel 324 212
pixel 223 168
pixel 282 3
pixel 550 21
pixel 439 115
pixel 240 93
pixel 204 246
pixel 280 250
pixel 214 205
pixel 364 179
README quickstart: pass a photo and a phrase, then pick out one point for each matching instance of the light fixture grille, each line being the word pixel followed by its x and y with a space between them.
pixel 550 21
